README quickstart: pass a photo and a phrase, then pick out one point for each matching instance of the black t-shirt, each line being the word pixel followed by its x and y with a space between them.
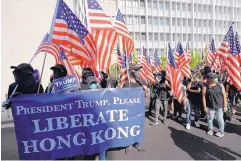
pixel 195 97
pixel 24 90
pixel 162 91
pixel 214 97
pixel 232 90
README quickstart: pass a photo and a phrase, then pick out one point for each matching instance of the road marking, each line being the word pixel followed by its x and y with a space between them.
pixel 7 125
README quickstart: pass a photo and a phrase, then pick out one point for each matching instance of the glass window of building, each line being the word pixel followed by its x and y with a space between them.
pixel 168 37
pixel 195 8
pixel 135 3
pixel 174 37
pixel 155 36
pixel 142 3
pixel 199 23
pixel 183 6
pixel 143 36
pixel 189 37
pixel 204 8
pixel 136 20
pixel 189 22
pixel 150 35
pixel 122 3
pixel 189 7
pixel 210 9
pixel 160 4
pixel 149 3
pixel 184 22
pixel 178 6
pixel 184 37
pixel 167 21
pixel 178 22
pixel 129 20
pixel 154 4
pixel 173 6
pixel 150 52
pixel 155 20
pixel 143 20
pixel 149 20
pixel 173 21
pixel 205 23
pixel 167 5
pixel 229 10
pixel 132 35
pixel 199 8
pixel 161 21
pixel 137 36
pixel 129 3
pixel 161 36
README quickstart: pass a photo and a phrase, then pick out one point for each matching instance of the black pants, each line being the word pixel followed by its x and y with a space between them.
pixel 177 108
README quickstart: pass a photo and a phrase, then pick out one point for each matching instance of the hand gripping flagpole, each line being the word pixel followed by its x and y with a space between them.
pixel 49 40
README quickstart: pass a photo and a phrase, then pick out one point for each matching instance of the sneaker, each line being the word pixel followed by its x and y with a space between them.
pixel 179 119
pixel 210 132
pixel 188 126
pixel 154 123
pixel 164 121
pixel 219 134
pixel 197 124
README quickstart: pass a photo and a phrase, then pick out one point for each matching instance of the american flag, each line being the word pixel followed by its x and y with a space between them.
pixel 119 57
pixel 124 34
pixel 223 51
pixel 233 63
pixel 211 56
pixel 71 35
pixel 188 54
pixel 223 66
pixel 64 60
pixel 48 47
pixel 156 62
pixel 238 47
pixel 182 62
pixel 124 70
pixel 146 71
pixel 175 76
pixel 104 34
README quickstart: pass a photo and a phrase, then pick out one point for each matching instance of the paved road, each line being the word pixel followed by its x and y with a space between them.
pixel 170 142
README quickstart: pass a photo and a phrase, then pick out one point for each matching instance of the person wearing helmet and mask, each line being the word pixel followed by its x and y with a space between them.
pixel 214 101
pixel 24 83
pixel 162 96
pixel 134 82
pixel 59 71
pixel 107 81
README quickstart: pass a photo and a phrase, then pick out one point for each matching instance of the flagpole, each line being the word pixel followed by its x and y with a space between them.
pixel 46 35
pixel 49 40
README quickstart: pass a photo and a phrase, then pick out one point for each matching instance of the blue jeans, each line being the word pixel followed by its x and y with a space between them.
pixel 211 114
pixel 196 107
pixel 102 156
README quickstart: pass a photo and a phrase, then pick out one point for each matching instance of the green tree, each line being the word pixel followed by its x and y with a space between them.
pixel 196 58
pixel 163 61
pixel 114 70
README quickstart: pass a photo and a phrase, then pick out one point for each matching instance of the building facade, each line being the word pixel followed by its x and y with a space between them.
pixel 155 23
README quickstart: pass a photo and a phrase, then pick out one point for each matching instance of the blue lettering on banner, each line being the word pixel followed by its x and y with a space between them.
pixel 51 126
pixel 66 84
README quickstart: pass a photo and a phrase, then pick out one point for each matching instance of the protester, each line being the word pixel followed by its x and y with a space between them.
pixel 59 71
pixel 134 82
pixel 24 83
pixel 233 95
pixel 107 81
pixel 195 101
pixel 214 101
pixel 161 96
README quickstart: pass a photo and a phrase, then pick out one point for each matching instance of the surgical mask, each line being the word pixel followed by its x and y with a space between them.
pixel 93 86
pixel 215 80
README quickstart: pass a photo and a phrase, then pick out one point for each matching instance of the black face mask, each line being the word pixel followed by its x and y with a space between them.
pixel 24 78
pixel 58 73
